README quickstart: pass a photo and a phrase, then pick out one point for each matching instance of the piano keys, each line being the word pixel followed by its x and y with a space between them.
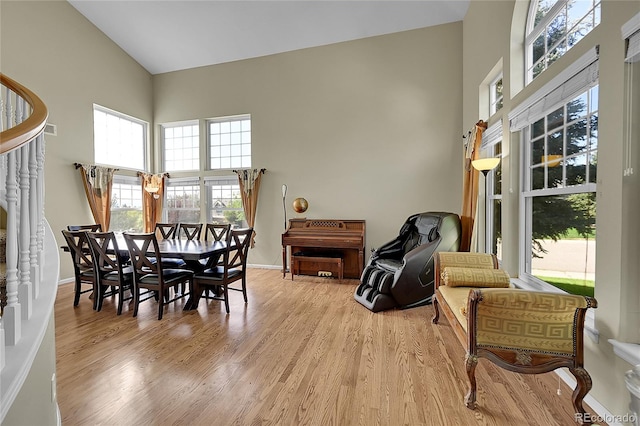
pixel 315 237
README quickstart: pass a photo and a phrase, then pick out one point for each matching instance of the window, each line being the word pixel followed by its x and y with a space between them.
pixel 554 27
pixel 495 95
pixel 115 133
pixel 560 163
pixel 229 142
pixel 182 200
pixel 126 205
pixel 181 143
pixel 225 201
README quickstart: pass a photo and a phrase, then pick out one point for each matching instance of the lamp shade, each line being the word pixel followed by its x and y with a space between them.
pixel 485 164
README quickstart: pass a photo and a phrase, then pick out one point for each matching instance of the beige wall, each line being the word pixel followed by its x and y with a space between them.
pixel 368 129
pixel 487 38
pixel 53 50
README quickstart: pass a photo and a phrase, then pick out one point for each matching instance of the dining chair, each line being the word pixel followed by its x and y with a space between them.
pixel 94 227
pixel 110 269
pixel 83 269
pixel 166 231
pixel 233 268
pixel 152 275
pixel 191 231
pixel 216 231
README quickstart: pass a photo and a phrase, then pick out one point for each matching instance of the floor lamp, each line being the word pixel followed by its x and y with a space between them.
pixel 485 165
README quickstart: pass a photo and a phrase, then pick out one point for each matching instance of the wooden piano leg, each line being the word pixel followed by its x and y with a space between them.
pixel 284 261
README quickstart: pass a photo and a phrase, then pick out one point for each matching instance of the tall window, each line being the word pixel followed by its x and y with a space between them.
pixel 560 159
pixel 229 142
pixel 126 204
pixel 181 143
pixel 182 200
pixel 492 147
pixel 225 201
pixel 554 27
pixel 115 133
pixel 495 95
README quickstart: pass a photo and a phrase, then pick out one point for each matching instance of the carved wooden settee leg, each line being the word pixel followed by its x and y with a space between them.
pixel 583 387
pixel 436 315
pixel 471 361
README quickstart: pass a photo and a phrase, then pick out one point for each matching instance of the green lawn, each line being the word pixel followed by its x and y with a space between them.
pixel 573 286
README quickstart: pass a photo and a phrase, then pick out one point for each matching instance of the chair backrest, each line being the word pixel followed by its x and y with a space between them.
pixel 95 227
pixel 218 232
pixel 167 231
pixel 190 230
pixel 103 246
pixel 79 249
pixel 236 257
pixel 139 245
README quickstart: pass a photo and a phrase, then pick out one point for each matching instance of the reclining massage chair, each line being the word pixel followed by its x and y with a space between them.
pixel 399 274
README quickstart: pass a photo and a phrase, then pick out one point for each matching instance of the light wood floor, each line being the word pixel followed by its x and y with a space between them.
pixel 299 353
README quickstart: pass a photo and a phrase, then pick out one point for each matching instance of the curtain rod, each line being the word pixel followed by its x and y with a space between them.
pixel 165 174
pixel 78 165
pixel 236 171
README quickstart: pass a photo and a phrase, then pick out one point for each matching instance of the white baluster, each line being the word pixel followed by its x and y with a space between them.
pixel 11 317
pixel 25 289
pixel 34 215
pixel 40 147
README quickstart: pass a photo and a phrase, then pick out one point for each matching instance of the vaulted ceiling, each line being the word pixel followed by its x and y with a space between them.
pixel 166 36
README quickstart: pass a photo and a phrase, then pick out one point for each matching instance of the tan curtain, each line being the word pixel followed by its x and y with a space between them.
pixel 152 198
pixel 97 183
pixel 470 184
pixel 249 189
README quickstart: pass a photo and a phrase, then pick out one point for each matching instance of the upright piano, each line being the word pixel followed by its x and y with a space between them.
pixel 318 237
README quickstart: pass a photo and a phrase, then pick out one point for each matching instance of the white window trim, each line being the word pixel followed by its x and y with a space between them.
pixel 145 134
pixel 175 124
pixel 631 35
pixel 208 121
pixel 493 99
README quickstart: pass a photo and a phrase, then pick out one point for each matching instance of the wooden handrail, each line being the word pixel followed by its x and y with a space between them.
pixel 17 136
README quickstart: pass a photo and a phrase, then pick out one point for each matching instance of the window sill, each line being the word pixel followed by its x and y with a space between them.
pixel 630 352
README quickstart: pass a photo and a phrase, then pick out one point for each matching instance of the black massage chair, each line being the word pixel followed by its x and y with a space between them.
pixel 400 273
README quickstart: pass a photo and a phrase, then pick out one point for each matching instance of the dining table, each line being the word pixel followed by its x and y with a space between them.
pixel 191 251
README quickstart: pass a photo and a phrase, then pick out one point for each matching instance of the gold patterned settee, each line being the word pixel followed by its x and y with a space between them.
pixel 518 330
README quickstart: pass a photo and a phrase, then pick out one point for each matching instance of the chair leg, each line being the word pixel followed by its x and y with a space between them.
pixel 226 297
pixel 161 302
pixel 583 387
pixel 120 298
pixel 76 297
pixel 244 289
pixel 98 297
pixel 471 362
pixel 136 299
pixel 436 315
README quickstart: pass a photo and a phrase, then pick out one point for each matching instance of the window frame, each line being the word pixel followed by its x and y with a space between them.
pixel 226 179
pixel 533 32
pixel 527 194
pixel 191 181
pixel 493 98
pixel 132 181
pixel 210 147
pixel 163 144
pixel 492 139
pixel 144 142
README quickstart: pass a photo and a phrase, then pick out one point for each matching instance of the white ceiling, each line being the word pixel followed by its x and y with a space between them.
pixel 168 36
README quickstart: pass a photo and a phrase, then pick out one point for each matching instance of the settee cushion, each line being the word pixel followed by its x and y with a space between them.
pixel 457 276
pixel 457 299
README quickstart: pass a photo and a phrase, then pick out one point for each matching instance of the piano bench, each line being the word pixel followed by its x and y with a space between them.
pixel 318 258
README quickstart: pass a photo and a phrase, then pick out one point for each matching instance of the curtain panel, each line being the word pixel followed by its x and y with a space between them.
pixel 470 184
pixel 97 182
pixel 249 181
pixel 153 186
